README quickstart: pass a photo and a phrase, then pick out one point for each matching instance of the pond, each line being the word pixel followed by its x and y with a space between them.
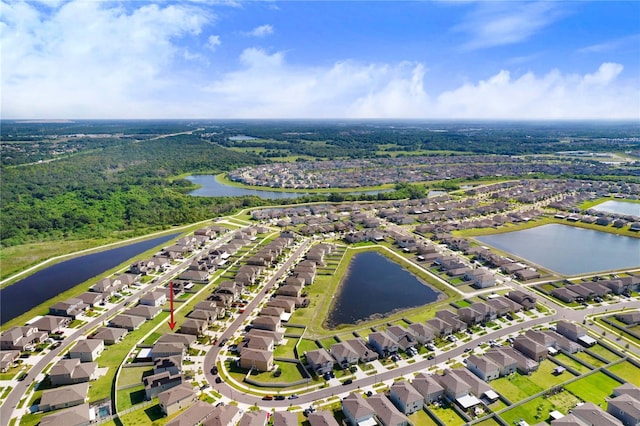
pixel 375 286
pixel 47 283
pixel 569 250
pixel 625 208
pixel 212 187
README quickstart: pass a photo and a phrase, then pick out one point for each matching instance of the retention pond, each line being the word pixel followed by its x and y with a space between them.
pixel 374 287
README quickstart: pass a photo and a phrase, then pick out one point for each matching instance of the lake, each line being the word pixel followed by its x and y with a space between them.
pixel 569 250
pixel 211 187
pixel 375 286
pixel 619 207
pixel 47 283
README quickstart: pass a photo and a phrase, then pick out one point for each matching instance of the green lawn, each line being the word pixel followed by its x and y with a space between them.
pixel 151 415
pixel 129 397
pixel 572 363
pixel 448 416
pixel 422 418
pixel 290 373
pixel 285 350
pixel 627 371
pixel 538 409
pixel 516 387
pixel 487 422
pixel 545 378
pixel 593 388
pixel 307 345
pixel 604 352
pixel 133 375
pixel 589 359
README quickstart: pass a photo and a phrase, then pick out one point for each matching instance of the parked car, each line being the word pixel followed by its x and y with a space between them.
pixel 218 380
pixel 267 398
pixel 293 396
pixel 347 382
pixel 214 370
pixel 279 398
pixel 223 341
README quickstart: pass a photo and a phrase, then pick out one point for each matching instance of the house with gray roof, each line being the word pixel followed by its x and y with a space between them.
pixel 87 350
pixel 70 371
pixel 79 415
pixel 405 397
pixel 357 410
pixel 177 398
pixel 64 397
pixel 320 361
pixel 625 408
pixel 51 323
pixel 145 311
pixel 428 387
pixel 386 412
pixel 382 343
pixel 286 418
pixel 320 418
pixel 591 414
pixel 128 322
pixel 483 367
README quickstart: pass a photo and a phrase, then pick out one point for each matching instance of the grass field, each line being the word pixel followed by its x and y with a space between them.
pixel 516 387
pixel 538 409
pixel 589 359
pixel 604 352
pixel 151 415
pixel 422 418
pixel 448 416
pixel 572 363
pixel 593 388
pixel 129 397
pixel 545 378
pixel 133 375
pixel 628 371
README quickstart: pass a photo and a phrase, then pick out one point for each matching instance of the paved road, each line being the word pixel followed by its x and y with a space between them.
pixel 212 355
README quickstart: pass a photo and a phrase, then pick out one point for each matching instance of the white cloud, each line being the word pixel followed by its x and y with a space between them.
pixel 91 59
pixel 622 43
pixel 500 23
pixel 261 31
pixel 213 42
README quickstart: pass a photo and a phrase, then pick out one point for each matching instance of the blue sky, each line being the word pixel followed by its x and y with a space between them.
pixel 299 59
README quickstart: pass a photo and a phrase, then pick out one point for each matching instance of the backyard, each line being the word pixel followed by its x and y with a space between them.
pixel 594 388
pixel 538 409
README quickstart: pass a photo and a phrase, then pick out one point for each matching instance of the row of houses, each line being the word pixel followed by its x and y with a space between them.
pixel 590 290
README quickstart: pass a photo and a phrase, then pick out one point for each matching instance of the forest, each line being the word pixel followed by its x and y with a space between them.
pixel 94 178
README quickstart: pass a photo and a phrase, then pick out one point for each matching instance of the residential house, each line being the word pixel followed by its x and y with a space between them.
pixel 320 361
pixel 402 336
pixel 172 364
pixel 483 367
pixel 423 333
pixel 320 418
pixel 487 311
pixel 506 364
pixel 254 418
pixel 154 298
pixel 271 311
pixel 344 354
pixel 382 343
pixel 287 304
pixel 206 414
pixel 68 308
pixel 452 319
pixel 428 387
pixel 440 327
pixel 51 323
pixel 625 408
pixel 470 316
pixel 91 298
pixel 79 415
pixel 289 290
pixel 405 397
pixel 193 326
pixel 167 349
pixel 106 286
pixel 591 414
pixel 64 397
pixel 177 398
pixel 21 338
pixel 357 410
pixel 386 412
pixel 565 294
pixel 128 322
pixel 195 276
pixel 157 383
pixel 527 301
pixel 527 274
pixel 8 360
pixel 288 418
pixel 530 348
pixel 570 330
pixel 70 371
pixel 87 350
pixel 627 389
pixel 186 340
pixel 454 387
pixel 110 336
pixel 256 359
pixel 629 318
pixel 266 323
pixel 144 311
pixel 525 365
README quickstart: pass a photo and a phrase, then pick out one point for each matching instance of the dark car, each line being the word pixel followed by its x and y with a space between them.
pixel 223 341
pixel 347 382
pixel 218 380
pixel 279 398
pixel 214 370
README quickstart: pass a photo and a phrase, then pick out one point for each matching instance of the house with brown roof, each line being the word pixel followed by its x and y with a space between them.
pixel 422 333
pixel 386 412
pixel 629 318
pixel 506 364
pixel 167 349
pixel 70 371
pixel 64 397
pixel 382 343
pixel 68 308
pixel 256 359
pixel 591 414
pixel 128 322
pixel 530 348
pixel 440 327
pixel 78 415
pixel 91 298
pixel 319 361
pixel 287 304
pixel 154 298
pixel 570 330
pixel 357 410
pixel 266 323
pixel 109 335
pixel 177 398
pixel 254 418
pixel 146 312
pixel 527 301
pixel 405 397
pixel 8 360
pixel 287 418
pixel 564 294
pixel 483 367
pixel 51 323
pixel 321 418
pixel 172 364
pixel 193 326
pixel 625 408
pixel 157 383
pixel 428 387
pixel 87 350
